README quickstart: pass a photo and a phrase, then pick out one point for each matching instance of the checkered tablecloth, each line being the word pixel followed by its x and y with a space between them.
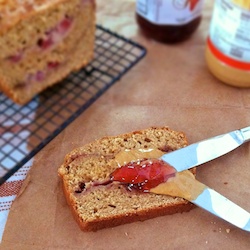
pixel 14 136
pixel 8 193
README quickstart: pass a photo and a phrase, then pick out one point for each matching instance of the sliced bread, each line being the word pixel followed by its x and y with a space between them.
pixel 96 202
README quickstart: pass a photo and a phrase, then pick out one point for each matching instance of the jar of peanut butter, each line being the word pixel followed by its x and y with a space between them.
pixel 228 43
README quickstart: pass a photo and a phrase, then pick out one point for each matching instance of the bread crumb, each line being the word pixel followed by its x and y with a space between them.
pixel 206 241
pixel 228 230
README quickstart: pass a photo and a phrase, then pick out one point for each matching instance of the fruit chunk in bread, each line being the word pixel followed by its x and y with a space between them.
pixel 96 202
pixel 42 41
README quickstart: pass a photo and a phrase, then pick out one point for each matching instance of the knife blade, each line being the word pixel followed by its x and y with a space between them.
pixel 206 150
pixel 222 207
pixel 186 186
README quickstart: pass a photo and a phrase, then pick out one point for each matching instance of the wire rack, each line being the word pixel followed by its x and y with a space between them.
pixel 25 130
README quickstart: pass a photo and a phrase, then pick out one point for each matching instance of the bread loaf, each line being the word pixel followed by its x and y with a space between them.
pixel 41 42
pixel 97 203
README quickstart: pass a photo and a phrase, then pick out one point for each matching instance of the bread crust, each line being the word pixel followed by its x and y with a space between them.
pixel 23 9
pixel 178 206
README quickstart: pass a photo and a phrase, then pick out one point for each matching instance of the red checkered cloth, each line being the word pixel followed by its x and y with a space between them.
pixel 15 132
pixel 8 193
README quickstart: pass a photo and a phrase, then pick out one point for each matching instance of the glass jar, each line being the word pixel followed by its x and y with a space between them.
pixel 228 44
pixel 169 21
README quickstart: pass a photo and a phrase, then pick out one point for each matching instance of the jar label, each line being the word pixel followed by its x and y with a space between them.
pixel 169 12
pixel 230 28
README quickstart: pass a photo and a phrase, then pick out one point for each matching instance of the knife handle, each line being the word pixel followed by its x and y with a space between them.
pixel 245 133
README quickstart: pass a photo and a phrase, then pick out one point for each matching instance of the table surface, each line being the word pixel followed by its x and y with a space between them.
pixel 171 87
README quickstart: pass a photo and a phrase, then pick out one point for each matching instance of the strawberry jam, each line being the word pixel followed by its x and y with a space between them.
pixel 143 174
pixel 169 21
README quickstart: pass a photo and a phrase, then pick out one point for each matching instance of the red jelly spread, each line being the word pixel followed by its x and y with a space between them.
pixel 143 174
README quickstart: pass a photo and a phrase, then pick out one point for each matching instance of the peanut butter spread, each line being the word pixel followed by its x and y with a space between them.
pixel 183 184
pixel 223 61
pixel 225 73
pixel 127 156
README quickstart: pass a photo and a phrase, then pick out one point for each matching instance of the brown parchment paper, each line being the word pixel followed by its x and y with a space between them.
pixel 170 86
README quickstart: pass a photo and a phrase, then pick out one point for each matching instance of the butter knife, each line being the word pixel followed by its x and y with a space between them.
pixel 223 208
pixel 206 150
pixel 203 196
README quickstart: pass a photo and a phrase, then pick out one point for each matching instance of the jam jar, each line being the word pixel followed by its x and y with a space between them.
pixel 169 21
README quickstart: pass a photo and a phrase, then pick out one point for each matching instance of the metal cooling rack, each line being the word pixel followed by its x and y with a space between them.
pixel 25 130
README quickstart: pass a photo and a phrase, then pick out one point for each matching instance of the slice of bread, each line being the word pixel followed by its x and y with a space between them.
pixel 97 203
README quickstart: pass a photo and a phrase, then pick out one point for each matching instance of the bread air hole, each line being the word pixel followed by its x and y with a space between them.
pixel 23 42
pixel 166 149
pixel 81 187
